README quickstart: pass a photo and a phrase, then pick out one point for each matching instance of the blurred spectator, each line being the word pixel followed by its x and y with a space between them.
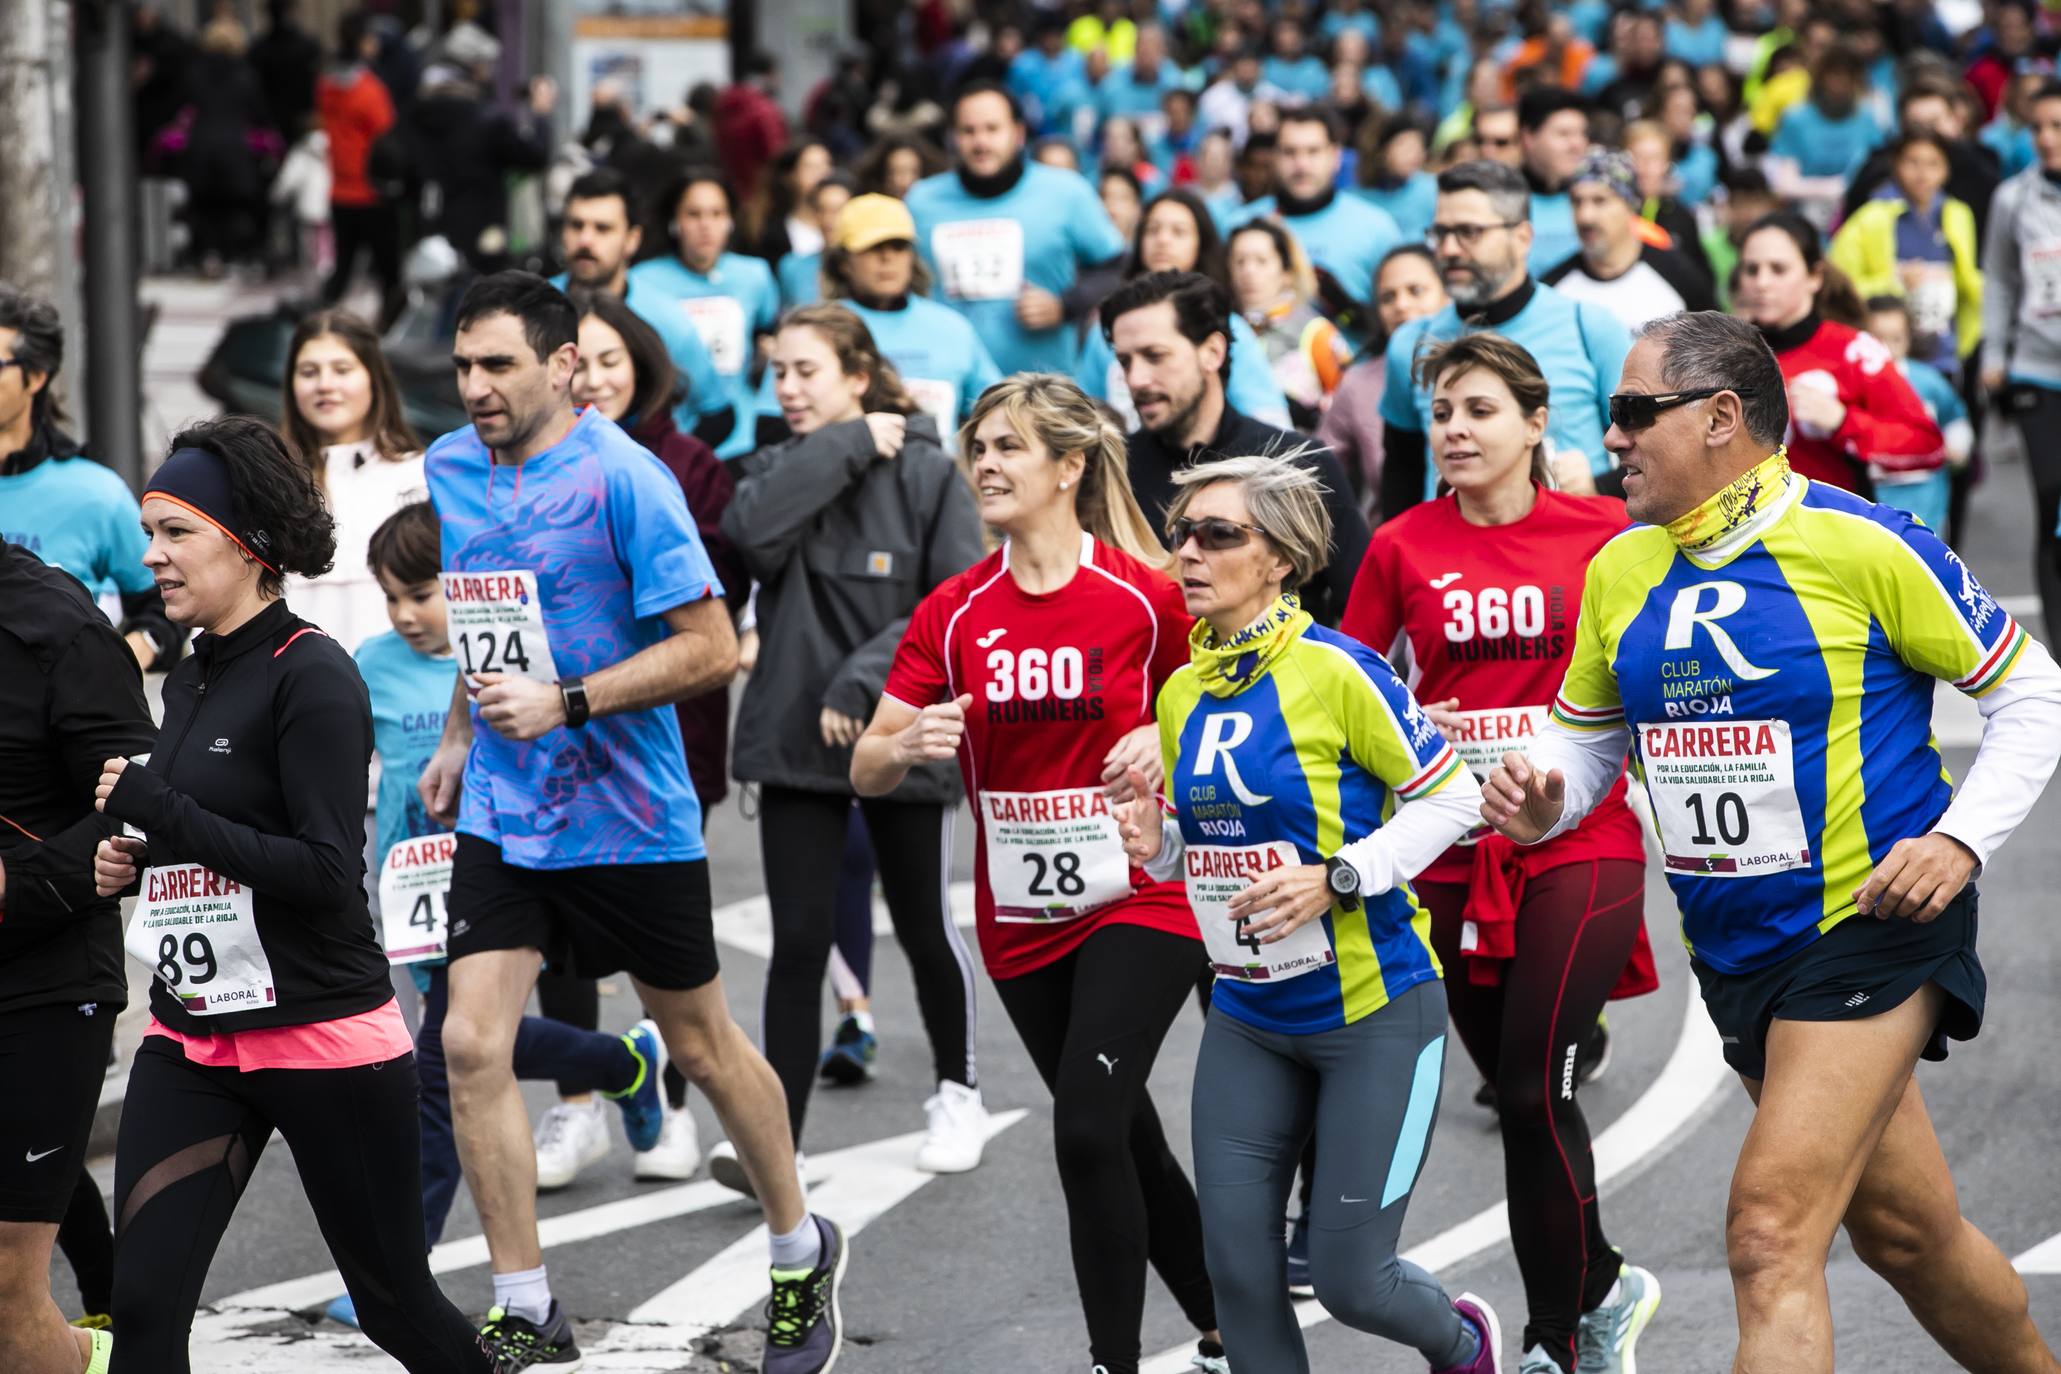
pixel 1926 495
pixel 749 128
pixel 1744 200
pixel 1499 136
pixel 1121 149
pixel 1049 79
pixel 356 112
pixel 835 112
pixel 2009 135
pixel 781 220
pixel 1657 178
pixel 1636 66
pixel 1227 102
pixel 1291 69
pixel 1406 287
pixel 1928 106
pixel 158 58
pixel 1620 266
pixel 1921 245
pixel 1830 133
pixel 1123 199
pixel 2003 44
pixel 464 151
pixel 1393 153
pixel 228 145
pixel 1696 33
pixel 302 190
pixel 1275 292
pixel 893 165
pixel 1213 181
pixel 1344 236
pixel 287 60
pixel 1554 126
pixel 1137 88
pixel 799 273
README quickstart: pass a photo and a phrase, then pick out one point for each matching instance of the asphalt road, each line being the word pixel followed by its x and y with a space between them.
pixel 971 1273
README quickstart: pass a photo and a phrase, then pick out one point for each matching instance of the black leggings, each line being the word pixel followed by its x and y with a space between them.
pixel 190 1137
pixel 576 1002
pixel 1575 927
pixel 2041 426
pixel 1093 1022
pixel 87 1239
pixel 800 835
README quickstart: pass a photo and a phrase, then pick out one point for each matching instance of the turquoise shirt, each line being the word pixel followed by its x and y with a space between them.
pixel 411 694
pixel 728 306
pixel 75 514
pixel 706 390
pixel 1347 238
pixel 941 360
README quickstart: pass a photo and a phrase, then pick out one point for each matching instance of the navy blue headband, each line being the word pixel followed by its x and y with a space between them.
pixel 199 481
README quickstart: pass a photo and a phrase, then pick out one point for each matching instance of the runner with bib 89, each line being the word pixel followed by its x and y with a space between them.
pixel 1478 591
pixel 1308 787
pixel 1037 668
pixel 1809 795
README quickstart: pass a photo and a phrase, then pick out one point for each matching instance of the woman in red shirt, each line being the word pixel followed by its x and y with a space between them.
pixel 1037 668
pixel 1849 406
pixel 1475 596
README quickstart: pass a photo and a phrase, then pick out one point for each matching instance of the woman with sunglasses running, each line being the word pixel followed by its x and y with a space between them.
pixel 1306 788
pixel 1037 668
pixel 1474 595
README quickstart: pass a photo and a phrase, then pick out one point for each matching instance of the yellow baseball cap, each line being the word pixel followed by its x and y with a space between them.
pixel 871 220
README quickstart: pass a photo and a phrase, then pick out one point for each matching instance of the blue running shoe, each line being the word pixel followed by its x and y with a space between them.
pixel 849 1060
pixel 1299 1282
pixel 643 1103
pixel 342 1310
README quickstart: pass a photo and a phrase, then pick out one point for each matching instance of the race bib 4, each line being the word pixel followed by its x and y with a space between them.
pixel 1724 797
pixel 196 931
pixel 1052 856
pixel 1218 872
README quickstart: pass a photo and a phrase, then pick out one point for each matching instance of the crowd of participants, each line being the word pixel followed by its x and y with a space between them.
pixel 1039 477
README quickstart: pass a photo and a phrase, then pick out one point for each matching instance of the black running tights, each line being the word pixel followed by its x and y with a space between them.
pixel 802 836
pixel 190 1137
pixel 1093 1022
pixel 1575 926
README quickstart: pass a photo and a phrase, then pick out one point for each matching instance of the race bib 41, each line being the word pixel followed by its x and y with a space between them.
pixel 414 898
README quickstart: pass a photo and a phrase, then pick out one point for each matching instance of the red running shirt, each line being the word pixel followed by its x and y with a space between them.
pixel 1056 681
pixel 1487 615
pixel 1885 421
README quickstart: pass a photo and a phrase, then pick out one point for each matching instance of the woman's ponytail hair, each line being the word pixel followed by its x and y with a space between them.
pixel 856 352
pixel 1054 410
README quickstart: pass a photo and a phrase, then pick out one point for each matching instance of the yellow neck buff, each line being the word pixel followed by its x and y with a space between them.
pixel 1750 493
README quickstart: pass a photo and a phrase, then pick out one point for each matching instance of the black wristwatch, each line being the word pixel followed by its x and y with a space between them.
pixel 1344 881
pixel 574 692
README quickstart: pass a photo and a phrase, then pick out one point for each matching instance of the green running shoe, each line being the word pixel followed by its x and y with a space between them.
pixel 1604 1342
pixel 517 1344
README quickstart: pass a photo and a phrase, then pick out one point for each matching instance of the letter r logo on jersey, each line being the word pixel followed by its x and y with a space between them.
pixel 1689 611
pixel 1220 735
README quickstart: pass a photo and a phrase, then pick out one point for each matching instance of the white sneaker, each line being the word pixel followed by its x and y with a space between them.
pixel 725 1168
pixel 958 1130
pixel 678 1152
pixel 569 1138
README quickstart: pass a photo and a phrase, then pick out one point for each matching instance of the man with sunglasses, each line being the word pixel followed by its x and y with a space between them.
pixel 1171 334
pixel 1766 646
pixel 1482 236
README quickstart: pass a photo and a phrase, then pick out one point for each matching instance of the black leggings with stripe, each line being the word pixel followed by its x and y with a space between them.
pixel 1575 927
pixel 190 1137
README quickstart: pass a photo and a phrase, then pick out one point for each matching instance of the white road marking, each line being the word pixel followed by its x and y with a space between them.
pixel 1686 1089
pixel 2044 1258
pixel 747 926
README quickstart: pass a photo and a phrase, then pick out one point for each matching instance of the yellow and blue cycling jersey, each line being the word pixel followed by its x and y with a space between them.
pixel 1281 746
pixel 1772 656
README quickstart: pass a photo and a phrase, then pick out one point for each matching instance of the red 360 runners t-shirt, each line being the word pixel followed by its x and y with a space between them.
pixel 1487 615
pixel 1056 679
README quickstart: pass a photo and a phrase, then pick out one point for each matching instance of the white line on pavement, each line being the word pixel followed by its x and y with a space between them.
pixel 1685 1090
pixel 2044 1258
pixel 747 926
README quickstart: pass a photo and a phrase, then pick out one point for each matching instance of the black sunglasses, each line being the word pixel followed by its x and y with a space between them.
pixel 1211 533
pixel 1630 412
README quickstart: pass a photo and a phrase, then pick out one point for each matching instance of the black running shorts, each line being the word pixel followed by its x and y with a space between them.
pixel 1861 967
pixel 651 921
pixel 53 1059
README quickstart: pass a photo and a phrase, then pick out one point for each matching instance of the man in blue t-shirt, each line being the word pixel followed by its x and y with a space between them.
pixel 598 240
pixel 1554 126
pixel 1482 236
pixel 1006 238
pixel 581 605
pixel 1343 234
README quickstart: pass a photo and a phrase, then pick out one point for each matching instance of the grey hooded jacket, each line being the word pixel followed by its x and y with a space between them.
pixel 2021 287
pixel 844 544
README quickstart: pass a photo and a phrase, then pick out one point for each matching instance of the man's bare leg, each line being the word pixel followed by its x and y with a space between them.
pixel 489 991
pixel 34 1338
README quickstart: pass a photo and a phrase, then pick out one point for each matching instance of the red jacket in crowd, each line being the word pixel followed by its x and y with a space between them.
pixel 750 131
pixel 1885 421
pixel 355 111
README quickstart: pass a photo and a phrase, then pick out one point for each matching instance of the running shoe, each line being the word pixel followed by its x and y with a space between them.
pixel 1488 1354
pixel 1209 1358
pixel 342 1311
pixel 1594 1055
pixel 804 1329
pixel 1607 1335
pixel 850 1059
pixel 727 1169
pixel 958 1132
pixel 570 1136
pixel 103 1351
pixel 643 1103
pixel 678 1152
pixel 1299 1283
pixel 1537 1361
pixel 516 1344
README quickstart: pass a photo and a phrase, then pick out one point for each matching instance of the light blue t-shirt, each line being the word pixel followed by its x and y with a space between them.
pixel 1306 76
pixel 1381 86
pixel 1042 83
pixel 76 514
pixel 1120 92
pixel 411 694
pixel 603 528
pixel 1578 346
pixel 984 251
pixel 1347 238
pixel 1364 22
pixel 1412 205
pixel 941 360
pixel 1252 389
pixel 1823 147
pixel 728 306
pixel 1554 238
pixel 2011 142
pixel 706 391
pixel 1696 172
pixel 1700 45
pixel 801 279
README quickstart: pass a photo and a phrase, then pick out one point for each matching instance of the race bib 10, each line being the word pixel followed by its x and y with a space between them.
pixel 1217 873
pixel 196 931
pixel 496 623
pixel 414 897
pixel 1724 797
pixel 979 259
pixel 1052 856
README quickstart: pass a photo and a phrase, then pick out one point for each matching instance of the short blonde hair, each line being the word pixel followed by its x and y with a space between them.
pixel 1285 498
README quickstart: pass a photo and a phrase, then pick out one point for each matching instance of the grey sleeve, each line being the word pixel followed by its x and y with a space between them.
pixel 2000 280
pixel 778 498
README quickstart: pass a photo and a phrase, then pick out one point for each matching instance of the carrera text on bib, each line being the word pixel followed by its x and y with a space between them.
pixel 414 898
pixel 1483 737
pixel 1052 856
pixel 1217 873
pixel 496 622
pixel 196 931
pixel 1724 797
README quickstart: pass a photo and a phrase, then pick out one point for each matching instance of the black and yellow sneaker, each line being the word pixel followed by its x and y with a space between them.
pixel 804 1329
pixel 516 1344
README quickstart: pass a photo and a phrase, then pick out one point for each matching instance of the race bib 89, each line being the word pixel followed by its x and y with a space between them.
pixel 196 931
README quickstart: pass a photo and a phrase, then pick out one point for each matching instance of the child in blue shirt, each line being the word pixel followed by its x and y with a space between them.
pixel 1927 494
